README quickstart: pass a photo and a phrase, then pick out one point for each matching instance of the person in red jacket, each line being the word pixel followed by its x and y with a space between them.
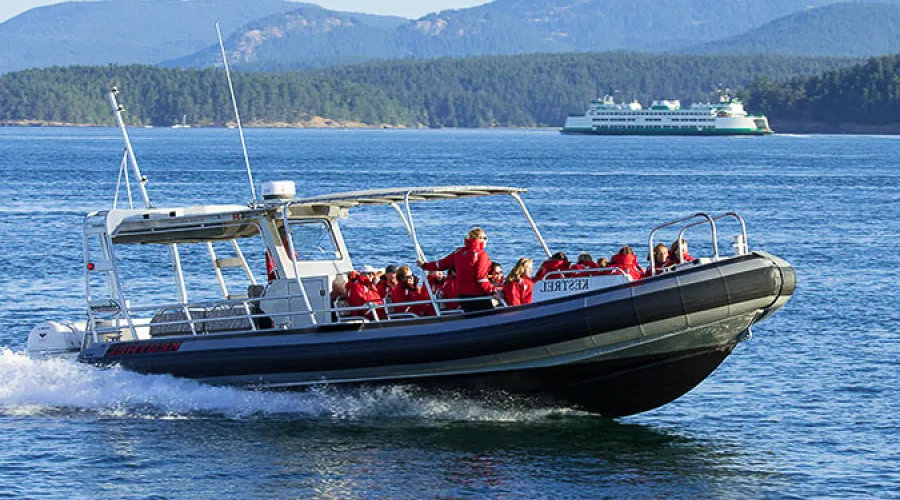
pixel 673 255
pixel 660 261
pixel 496 276
pixel 436 279
pixel 557 262
pixel 448 291
pixel 360 292
pixel 408 290
pixel 387 281
pixel 472 265
pixel 519 288
pixel 627 261
pixel 603 264
pixel 586 263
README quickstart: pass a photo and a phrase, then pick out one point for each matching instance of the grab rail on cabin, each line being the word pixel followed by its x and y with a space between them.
pixel 252 312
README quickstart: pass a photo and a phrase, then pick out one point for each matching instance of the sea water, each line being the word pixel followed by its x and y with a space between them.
pixel 807 408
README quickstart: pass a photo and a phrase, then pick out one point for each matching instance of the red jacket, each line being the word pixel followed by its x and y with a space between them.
pixel 550 266
pixel 472 265
pixel 629 264
pixel 360 292
pixel 401 294
pixel 659 270
pixel 384 287
pixel 518 292
pixel 586 266
pixel 448 291
pixel 673 259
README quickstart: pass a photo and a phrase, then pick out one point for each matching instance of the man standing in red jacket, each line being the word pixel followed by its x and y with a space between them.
pixel 472 265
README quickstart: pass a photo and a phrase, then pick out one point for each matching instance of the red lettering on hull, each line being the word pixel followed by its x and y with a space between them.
pixel 129 349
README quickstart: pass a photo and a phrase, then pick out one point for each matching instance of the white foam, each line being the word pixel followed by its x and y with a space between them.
pixel 45 387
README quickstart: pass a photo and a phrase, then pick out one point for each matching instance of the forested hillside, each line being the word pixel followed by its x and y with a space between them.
pixel 845 29
pixel 867 94
pixel 530 90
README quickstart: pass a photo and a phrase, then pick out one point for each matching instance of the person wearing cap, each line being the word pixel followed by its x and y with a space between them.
pixel 387 281
pixel 472 265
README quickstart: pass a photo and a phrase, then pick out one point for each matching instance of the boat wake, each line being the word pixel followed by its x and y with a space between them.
pixel 63 387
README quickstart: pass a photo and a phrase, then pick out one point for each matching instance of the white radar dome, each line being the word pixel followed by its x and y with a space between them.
pixel 278 190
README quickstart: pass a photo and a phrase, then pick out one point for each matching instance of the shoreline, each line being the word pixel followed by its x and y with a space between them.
pixel 326 123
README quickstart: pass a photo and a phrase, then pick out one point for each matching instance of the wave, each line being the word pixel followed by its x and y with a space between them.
pixel 51 387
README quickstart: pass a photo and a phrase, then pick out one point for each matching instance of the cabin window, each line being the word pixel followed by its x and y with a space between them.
pixel 313 240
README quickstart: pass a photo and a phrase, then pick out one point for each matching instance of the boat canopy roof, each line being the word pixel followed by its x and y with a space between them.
pixel 398 195
pixel 200 223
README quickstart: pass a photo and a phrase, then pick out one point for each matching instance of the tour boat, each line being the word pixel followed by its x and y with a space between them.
pixel 603 343
pixel 667 117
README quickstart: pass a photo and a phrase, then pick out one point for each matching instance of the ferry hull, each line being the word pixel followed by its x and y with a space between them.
pixel 614 352
pixel 673 131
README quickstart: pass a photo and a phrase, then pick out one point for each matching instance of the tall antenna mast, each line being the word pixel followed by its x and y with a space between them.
pixel 142 181
pixel 237 115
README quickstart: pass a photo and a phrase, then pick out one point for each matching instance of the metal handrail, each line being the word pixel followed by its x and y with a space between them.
pixel 716 217
pixel 608 270
pixel 704 215
pixel 370 307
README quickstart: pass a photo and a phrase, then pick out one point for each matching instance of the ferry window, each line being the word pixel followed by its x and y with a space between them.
pixel 313 240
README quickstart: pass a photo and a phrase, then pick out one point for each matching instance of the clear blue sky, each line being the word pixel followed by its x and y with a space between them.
pixel 406 8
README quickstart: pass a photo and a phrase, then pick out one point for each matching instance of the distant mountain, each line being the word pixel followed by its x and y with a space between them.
pixel 280 35
pixel 128 31
pixel 311 37
pixel 845 29
pixel 308 36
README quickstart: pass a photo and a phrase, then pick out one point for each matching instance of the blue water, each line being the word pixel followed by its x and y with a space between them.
pixel 807 408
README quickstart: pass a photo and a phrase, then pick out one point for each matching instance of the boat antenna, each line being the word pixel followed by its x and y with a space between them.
pixel 118 109
pixel 237 115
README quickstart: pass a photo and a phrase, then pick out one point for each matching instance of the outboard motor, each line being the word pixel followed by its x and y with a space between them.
pixel 52 339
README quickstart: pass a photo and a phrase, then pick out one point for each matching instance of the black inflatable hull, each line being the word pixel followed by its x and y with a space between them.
pixel 615 351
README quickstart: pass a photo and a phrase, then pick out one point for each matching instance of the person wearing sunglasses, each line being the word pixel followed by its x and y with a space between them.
pixel 473 266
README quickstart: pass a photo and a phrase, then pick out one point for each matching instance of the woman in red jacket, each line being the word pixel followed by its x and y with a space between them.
pixel 673 255
pixel 519 288
pixel 472 265
pixel 627 261
pixel 660 260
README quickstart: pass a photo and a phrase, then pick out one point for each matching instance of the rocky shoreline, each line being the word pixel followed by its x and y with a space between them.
pixel 314 122
pixel 318 122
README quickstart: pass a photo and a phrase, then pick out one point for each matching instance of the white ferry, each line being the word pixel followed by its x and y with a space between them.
pixel 667 117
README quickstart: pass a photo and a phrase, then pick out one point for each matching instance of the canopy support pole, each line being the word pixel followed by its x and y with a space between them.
pixel 420 255
pixel 292 254
pixel 534 227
